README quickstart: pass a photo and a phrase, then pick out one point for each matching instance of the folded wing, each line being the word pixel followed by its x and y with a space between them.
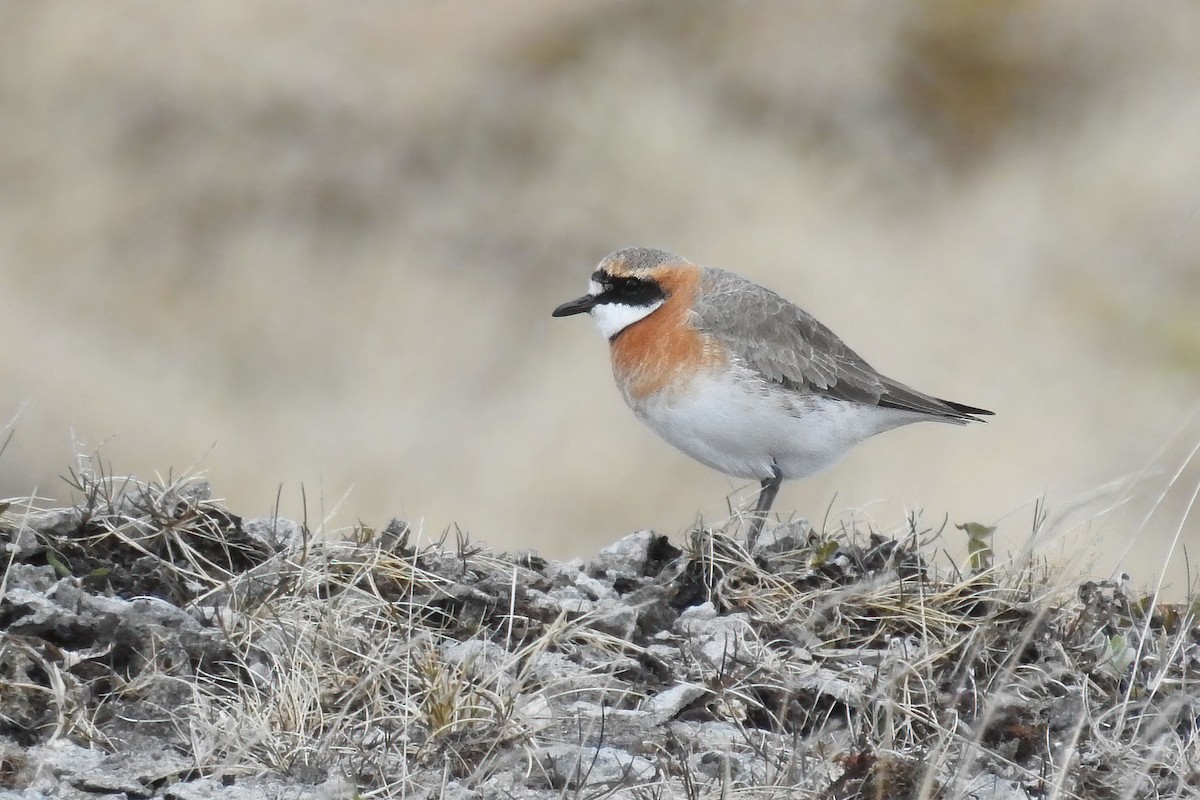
pixel 790 347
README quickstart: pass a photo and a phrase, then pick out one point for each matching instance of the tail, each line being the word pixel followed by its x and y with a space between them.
pixel 899 396
pixel 965 413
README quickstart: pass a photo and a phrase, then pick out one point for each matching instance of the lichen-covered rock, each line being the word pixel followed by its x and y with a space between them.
pixel 156 645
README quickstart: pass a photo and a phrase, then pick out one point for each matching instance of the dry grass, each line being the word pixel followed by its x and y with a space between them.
pixel 841 664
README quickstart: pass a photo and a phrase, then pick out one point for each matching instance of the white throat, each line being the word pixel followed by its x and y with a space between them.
pixel 612 318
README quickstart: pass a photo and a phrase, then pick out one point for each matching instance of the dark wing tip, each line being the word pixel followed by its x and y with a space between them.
pixel 969 412
pixel 901 397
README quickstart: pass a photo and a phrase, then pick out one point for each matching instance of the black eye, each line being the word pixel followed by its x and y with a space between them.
pixel 630 291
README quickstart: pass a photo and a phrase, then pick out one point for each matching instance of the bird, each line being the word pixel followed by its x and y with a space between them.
pixel 739 378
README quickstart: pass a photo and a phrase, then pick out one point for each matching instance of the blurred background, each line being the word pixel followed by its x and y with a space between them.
pixel 311 250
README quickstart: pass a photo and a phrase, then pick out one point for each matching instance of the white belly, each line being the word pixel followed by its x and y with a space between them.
pixel 743 427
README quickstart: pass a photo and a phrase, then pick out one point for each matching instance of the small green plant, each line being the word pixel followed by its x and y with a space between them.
pixel 980 555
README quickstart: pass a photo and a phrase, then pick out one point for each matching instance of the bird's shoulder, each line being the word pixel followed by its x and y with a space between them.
pixel 780 340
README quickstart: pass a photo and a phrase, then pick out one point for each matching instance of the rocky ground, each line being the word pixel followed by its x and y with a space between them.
pixel 155 645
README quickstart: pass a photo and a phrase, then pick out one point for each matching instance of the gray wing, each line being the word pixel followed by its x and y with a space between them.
pixel 790 347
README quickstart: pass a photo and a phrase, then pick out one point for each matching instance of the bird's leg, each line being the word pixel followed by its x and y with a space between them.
pixel 766 497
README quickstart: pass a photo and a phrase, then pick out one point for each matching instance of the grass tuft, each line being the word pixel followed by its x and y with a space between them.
pixel 843 664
